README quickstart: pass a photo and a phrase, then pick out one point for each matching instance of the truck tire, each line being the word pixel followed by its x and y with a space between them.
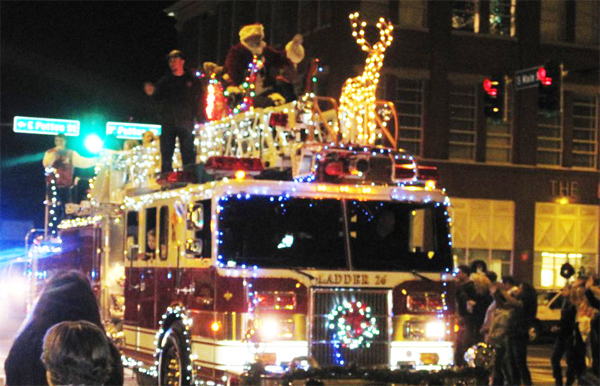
pixel 174 366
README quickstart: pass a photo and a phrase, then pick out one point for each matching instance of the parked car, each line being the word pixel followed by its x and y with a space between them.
pixel 548 315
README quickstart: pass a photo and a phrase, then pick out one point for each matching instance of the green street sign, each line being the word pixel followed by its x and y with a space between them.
pixel 129 130
pixel 48 126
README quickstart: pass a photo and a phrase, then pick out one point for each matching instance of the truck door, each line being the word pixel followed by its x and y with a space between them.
pixel 132 274
pixel 150 253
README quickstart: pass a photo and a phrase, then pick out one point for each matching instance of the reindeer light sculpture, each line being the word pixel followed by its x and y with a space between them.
pixel 357 102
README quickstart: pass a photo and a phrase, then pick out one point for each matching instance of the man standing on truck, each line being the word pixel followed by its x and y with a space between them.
pixel 178 95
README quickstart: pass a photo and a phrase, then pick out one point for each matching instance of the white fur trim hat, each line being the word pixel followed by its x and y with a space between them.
pixel 255 29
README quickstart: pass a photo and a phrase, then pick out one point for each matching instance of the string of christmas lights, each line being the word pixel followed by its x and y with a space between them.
pixel 52 201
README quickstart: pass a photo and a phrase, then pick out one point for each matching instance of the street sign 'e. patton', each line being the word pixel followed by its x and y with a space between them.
pixel 48 126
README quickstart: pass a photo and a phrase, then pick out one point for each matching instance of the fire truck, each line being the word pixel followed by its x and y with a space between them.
pixel 285 244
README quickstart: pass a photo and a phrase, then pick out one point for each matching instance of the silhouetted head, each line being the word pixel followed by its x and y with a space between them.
pixel 76 353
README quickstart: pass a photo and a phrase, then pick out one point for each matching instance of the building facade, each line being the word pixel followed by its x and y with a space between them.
pixel 524 179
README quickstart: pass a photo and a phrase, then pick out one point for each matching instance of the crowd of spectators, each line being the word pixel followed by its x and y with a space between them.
pixel 501 313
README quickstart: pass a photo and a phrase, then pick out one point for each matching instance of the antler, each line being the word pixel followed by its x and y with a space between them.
pixel 358 31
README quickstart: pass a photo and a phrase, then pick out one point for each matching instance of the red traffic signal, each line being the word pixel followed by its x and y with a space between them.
pixel 491 87
pixel 543 77
pixel 494 98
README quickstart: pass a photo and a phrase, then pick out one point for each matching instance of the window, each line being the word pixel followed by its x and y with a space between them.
pixel 408 13
pixel 499 134
pixel 502 17
pixel 198 232
pixel 150 234
pixel 164 233
pixel 464 16
pixel 272 232
pixel 372 10
pixel 553 20
pixel 564 233
pixel 314 14
pixel 585 132
pixel 586 22
pixel 483 230
pixel 463 107
pixel 549 139
pixel 409 103
pixel 497 261
pixel 546 268
pixel 131 245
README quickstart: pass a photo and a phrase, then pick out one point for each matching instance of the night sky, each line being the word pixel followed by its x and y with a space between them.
pixel 82 60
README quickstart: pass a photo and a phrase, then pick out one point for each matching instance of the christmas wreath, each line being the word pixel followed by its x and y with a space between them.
pixel 352 324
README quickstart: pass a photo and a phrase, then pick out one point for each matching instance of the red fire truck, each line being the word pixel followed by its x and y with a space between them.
pixel 298 240
pixel 340 263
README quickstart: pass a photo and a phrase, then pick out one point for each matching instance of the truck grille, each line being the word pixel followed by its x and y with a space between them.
pixel 323 343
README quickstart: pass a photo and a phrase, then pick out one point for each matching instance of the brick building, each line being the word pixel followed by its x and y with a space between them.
pixel 525 184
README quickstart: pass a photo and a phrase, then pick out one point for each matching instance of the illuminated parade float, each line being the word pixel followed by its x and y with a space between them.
pixel 302 239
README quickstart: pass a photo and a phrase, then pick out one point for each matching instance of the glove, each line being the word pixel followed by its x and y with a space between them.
pixel 277 99
pixel 234 90
pixel 294 49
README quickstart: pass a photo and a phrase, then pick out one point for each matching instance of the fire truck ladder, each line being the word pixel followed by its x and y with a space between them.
pixel 274 134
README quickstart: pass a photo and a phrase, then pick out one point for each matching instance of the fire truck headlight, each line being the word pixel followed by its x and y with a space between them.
pixel 435 330
pixel 269 329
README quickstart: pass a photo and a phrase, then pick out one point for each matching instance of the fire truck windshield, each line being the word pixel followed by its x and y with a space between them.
pixel 288 232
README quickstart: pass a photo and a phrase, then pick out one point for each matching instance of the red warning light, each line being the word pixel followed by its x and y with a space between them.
pixel 545 80
pixel 488 86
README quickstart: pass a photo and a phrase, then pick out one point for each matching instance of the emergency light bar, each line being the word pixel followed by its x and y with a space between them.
pixel 223 166
pixel 352 164
pixel 427 173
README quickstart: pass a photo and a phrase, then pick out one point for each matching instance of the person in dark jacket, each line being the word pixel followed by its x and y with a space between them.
pixel 67 296
pixel 465 301
pixel 564 337
pixel 592 294
pixel 179 96
pixel 521 318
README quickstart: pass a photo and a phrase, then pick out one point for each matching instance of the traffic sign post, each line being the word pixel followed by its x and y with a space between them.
pixel 129 130
pixel 527 78
pixel 47 126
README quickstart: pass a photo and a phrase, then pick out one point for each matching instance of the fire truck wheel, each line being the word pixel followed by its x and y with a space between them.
pixel 174 367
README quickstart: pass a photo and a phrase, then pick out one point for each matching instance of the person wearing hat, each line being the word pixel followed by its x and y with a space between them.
pixel 270 81
pixel 178 96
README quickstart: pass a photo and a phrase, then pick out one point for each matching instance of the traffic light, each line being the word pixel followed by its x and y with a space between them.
pixel 493 98
pixel 93 143
pixel 549 78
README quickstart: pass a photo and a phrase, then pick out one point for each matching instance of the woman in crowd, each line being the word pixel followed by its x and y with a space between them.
pixel 68 296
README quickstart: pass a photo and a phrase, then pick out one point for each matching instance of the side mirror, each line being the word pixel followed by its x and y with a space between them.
pixel 133 252
pixel 195 217
pixel 194 247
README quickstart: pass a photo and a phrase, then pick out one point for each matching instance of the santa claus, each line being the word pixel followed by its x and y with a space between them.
pixel 271 87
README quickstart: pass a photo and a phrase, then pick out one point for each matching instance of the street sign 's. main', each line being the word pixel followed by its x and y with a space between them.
pixel 48 126
pixel 527 78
